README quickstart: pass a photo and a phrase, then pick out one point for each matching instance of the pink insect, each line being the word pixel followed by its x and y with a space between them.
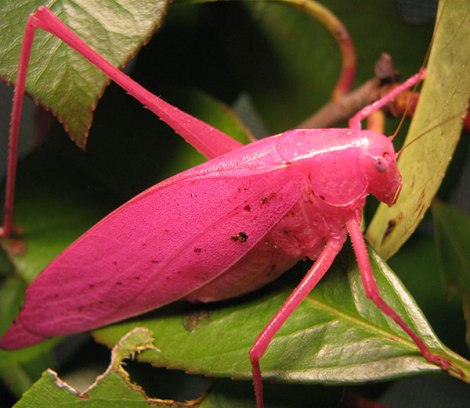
pixel 218 230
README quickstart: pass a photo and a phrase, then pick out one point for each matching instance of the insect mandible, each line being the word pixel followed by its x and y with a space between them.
pixel 292 196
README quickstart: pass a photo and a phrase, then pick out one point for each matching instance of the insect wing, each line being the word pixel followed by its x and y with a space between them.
pixel 162 245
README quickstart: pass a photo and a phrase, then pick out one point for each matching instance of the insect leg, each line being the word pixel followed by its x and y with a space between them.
pixel 206 139
pixel 313 276
pixel 355 121
pixel 15 128
pixel 372 292
pixel 203 137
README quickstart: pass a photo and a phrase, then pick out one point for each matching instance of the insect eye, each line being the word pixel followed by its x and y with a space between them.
pixel 381 165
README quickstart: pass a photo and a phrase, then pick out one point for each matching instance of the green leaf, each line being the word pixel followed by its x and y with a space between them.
pixel 452 232
pixel 59 78
pixel 443 101
pixel 56 212
pixel 112 389
pixel 11 298
pixel 335 336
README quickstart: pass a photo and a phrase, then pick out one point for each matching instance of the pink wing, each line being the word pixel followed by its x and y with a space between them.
pixel 157 248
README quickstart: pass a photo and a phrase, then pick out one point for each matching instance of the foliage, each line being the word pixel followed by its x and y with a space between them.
pixel 236 53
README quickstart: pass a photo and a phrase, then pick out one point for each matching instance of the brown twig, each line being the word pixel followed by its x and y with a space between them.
pixel 346 105
pixel 343 107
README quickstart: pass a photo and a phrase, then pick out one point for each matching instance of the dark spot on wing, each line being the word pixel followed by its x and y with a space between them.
pixel 240 237
pixel 265 199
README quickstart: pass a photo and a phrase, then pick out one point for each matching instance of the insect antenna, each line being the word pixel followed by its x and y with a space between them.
pixel 430 129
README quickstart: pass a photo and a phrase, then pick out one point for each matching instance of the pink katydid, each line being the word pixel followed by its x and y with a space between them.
pixel 264 190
